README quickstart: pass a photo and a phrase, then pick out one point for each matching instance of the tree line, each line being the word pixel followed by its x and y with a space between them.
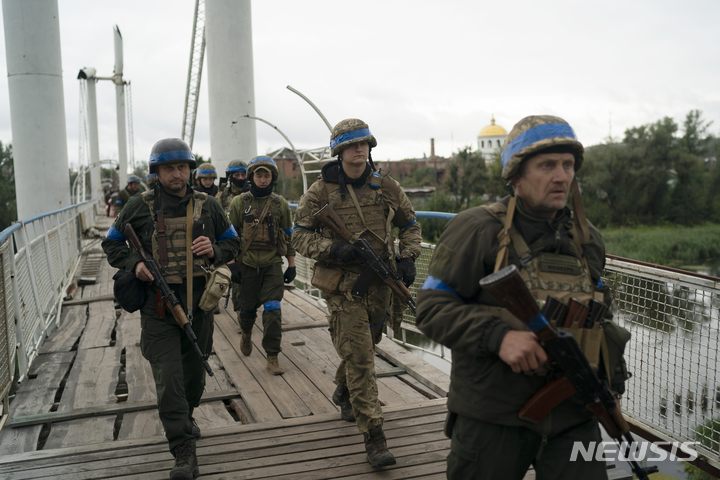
pixel 658 173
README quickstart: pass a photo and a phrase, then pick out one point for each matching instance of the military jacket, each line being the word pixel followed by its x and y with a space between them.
pixel 218 229
pixel 122 199
pixel 454 311
pixel 383 207
pixel 263 250
pixel 226 195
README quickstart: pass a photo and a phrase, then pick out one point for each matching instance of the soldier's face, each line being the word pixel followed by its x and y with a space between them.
pixel 355 154
pixel 545 185
pixel 262 178
pixel 174 177
pixel 207 182
pixel 238 175
pixel 133 187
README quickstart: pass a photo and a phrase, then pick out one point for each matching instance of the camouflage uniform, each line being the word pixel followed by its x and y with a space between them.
pixel 123 198
pixel 351 320
pixel 226 195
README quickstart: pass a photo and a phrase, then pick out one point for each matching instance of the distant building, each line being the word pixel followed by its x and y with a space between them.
pixel 491 138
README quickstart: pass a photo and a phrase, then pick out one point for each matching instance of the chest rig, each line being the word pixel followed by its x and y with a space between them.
pixel 365 214
pixel 562 276
pixel 261 230
pixel 172 239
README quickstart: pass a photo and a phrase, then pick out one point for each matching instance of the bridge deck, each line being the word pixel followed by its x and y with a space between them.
pixel 87 408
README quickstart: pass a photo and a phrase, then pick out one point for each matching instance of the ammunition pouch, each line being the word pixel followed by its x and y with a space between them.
pixel 217 284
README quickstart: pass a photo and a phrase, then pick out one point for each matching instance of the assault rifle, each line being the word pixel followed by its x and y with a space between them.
pixel 375 265
pixel 168 295
pixel 510 290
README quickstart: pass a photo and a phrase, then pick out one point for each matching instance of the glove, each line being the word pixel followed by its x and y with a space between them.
pixel 236 275
pixel 289 274
pixel 343 252
pixel 406 266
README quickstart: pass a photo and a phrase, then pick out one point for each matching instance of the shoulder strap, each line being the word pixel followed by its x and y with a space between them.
pixel 251 235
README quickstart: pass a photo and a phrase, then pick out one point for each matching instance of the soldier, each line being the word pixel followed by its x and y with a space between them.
pixel 237 184
pixel 370 204
pixel 159 217
pixel 264 221
pixel 497 364
pixel 205 179
pixel 130 190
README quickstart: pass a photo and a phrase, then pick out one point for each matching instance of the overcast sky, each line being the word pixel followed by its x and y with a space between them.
pixel 413 70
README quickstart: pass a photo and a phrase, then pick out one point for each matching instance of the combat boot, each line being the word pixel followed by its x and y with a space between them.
pixel 341 398
pixel 376 448
pixel 246 343
pixel 195 428
pixel 186 466
pixel 274 366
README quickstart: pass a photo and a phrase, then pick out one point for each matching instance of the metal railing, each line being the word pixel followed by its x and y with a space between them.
pixel 38 258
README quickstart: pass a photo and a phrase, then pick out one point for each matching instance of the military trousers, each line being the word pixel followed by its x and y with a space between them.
pixel 262 286
pixel 350 323
pixel 177 369
pixel 482 450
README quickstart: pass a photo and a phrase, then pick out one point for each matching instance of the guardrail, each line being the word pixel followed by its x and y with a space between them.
pixel 38 257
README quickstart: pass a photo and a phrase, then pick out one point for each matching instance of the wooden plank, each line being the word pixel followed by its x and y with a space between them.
pixel 417 414
pixel 139 377
pixel 285 399
pixel 99 327
pixel 422 371
pixel 81 432
pixel 136 425
pixel 128 329
pixel 211 415
pixel 303 326
pixel 389 372
pixel 72 323
pixel 255 398
pixel 84 301
pixel 35 395
pixel 403 390
pixel 419 387
pixel 112 409
pixel 306 307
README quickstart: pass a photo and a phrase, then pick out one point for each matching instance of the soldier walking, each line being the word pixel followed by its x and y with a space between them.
pixel 370 204
pixel 131 189
pixel 498 364
pixel 159 217
pixel 205 177
pixel 264 222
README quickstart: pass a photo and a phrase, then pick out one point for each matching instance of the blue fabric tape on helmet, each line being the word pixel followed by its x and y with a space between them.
pixel 266 159
pixel 152 175
pixel 535 134
pixel 205 172
pixel 237 169
pixel 172 156
pixel 346 137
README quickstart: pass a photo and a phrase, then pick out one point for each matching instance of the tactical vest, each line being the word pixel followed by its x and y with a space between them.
pixel 366 216
pixel 175 238
pixel 265 238
pixel 226 196
pixel 562 276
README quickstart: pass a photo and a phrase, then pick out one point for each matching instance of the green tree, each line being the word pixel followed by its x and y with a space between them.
pixel 419 177
pixel 432 229
pixel 466 178
pixel 8 202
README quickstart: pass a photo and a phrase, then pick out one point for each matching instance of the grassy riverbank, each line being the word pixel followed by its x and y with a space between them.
pixel 670 245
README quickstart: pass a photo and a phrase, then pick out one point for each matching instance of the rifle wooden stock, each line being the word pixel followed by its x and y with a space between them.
pixel 329 218
pixel 173 304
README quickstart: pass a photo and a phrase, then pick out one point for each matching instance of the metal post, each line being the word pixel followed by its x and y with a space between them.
pixel 51 265
pixel 120 106
pixel 37 105
pixel 23 362
pixel 231 88
pixel 93 135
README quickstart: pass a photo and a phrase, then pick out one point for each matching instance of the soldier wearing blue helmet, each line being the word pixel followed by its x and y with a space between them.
pixel 159 218
pixel 133 185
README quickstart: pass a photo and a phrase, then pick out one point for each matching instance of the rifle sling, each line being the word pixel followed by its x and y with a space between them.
pixel 504 236
pixel 189 258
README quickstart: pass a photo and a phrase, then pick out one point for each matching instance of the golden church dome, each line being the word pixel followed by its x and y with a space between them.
pixel 492 130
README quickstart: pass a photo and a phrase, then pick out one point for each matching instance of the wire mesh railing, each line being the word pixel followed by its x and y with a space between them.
pixel 38 258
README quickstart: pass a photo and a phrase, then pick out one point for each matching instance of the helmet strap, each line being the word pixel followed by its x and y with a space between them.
pixel 372 165
pixel 341 178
